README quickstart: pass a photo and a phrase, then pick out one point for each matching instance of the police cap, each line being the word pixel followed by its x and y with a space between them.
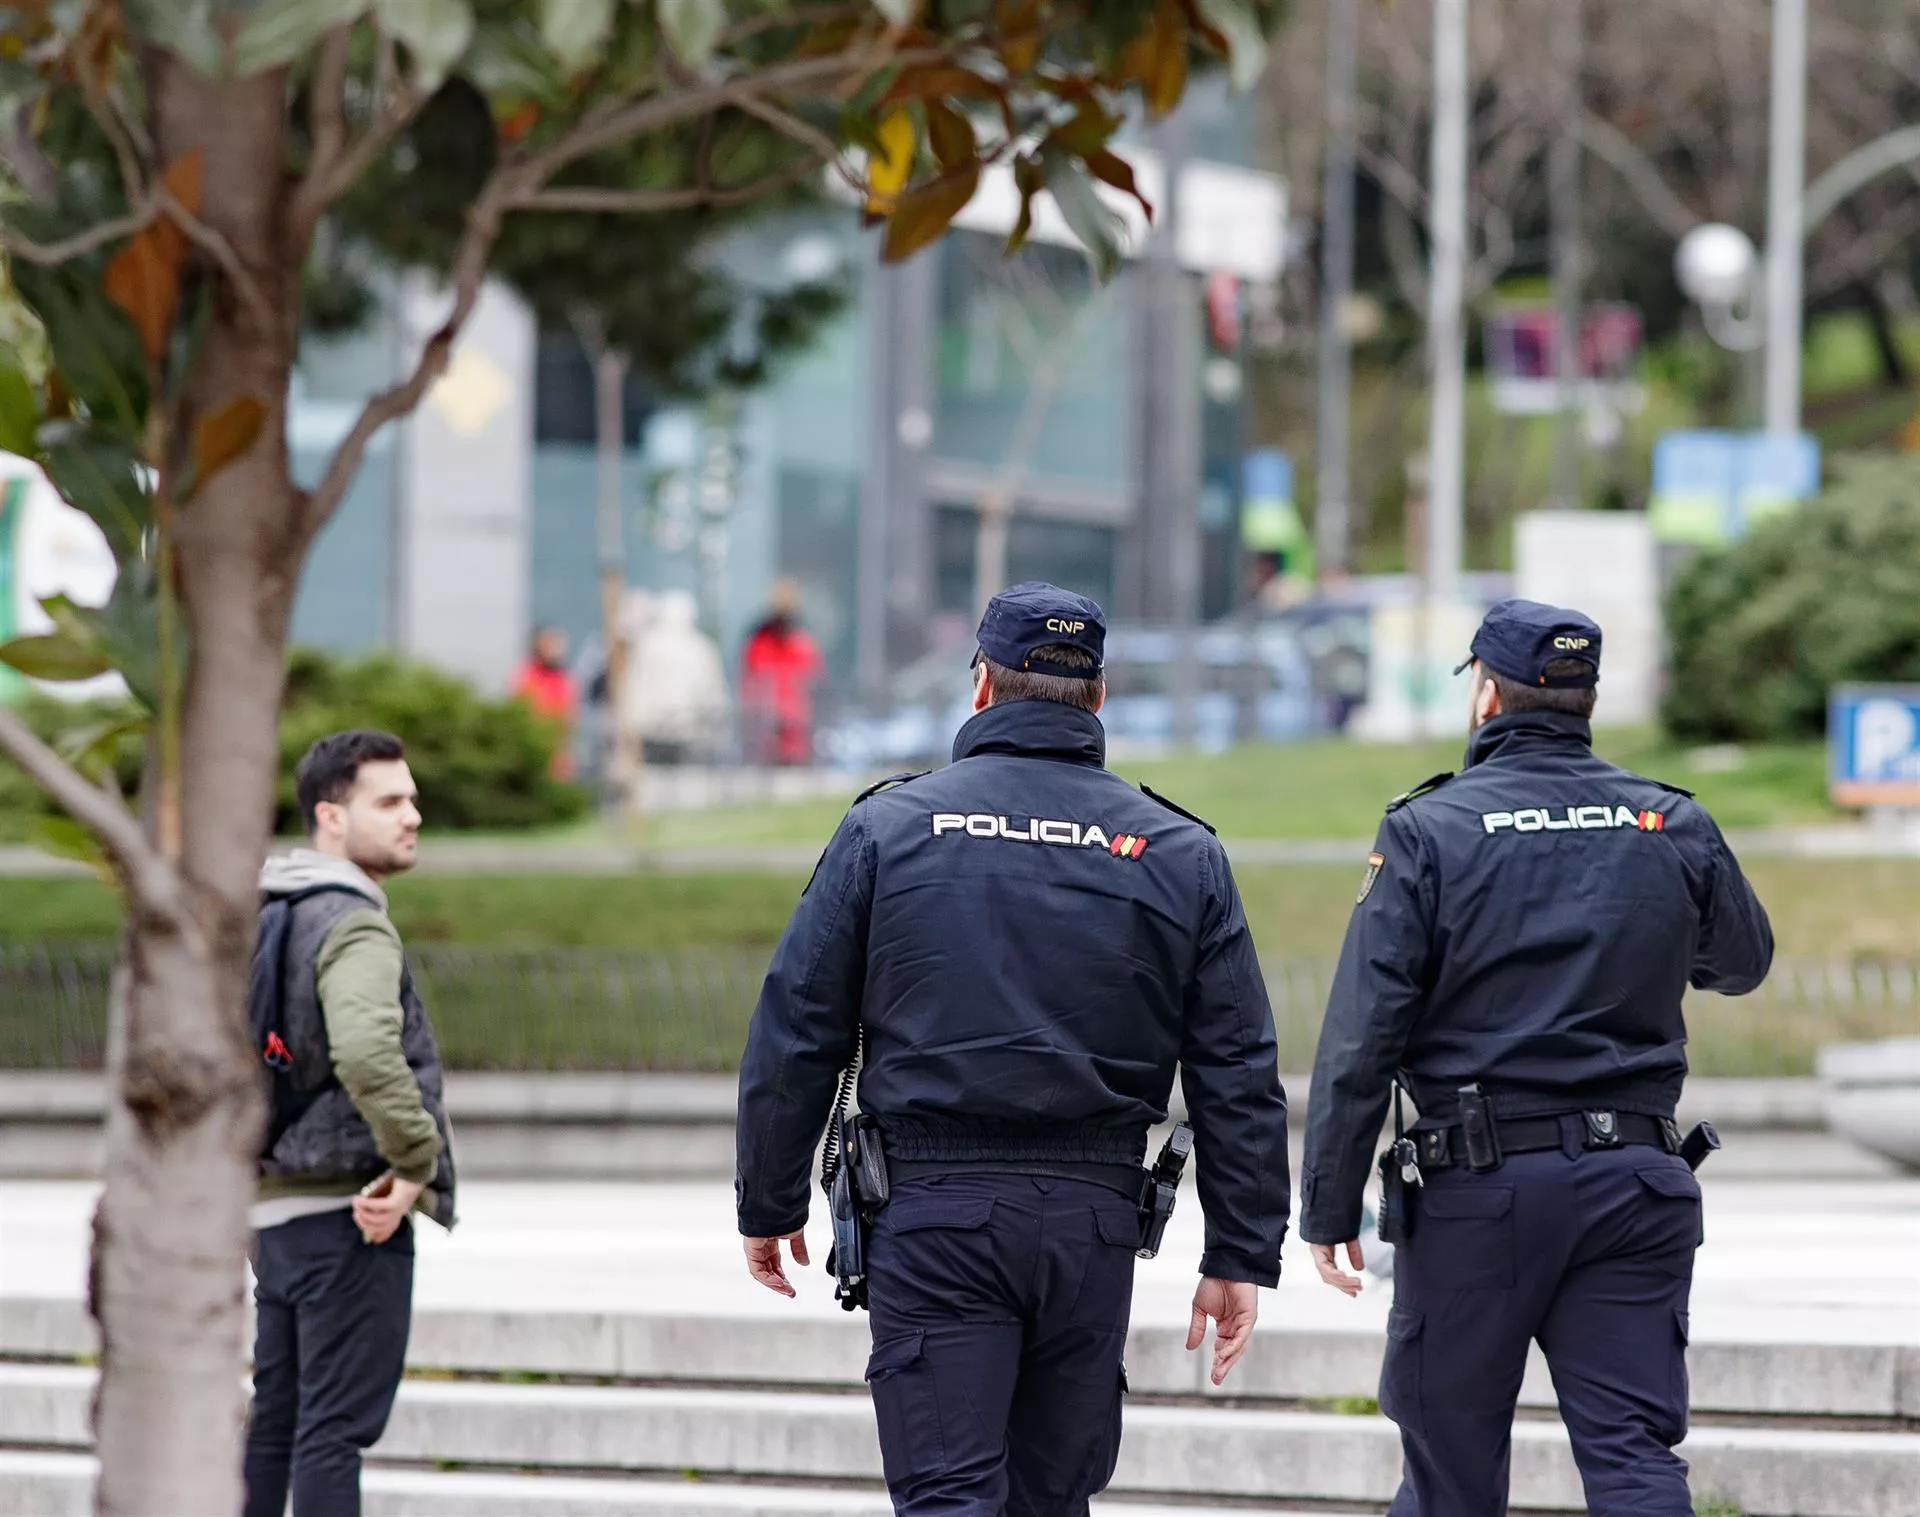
pixel 1027 617
pixel 1519 638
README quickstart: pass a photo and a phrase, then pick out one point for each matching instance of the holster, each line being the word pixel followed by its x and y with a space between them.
pixel 860 1188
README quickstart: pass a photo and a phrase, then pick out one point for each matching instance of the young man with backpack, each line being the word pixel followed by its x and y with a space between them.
pixel 357 1140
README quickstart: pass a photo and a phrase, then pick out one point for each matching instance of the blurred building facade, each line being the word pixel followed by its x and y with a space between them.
pixel 857 472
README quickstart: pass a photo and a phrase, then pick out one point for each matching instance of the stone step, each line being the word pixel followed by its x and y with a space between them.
pixel 1282 1364
pixel 1199 1451
pixel 60 1485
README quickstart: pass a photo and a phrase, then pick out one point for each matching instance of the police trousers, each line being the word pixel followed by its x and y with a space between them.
pixel 1000 1307
pixel 1590 1254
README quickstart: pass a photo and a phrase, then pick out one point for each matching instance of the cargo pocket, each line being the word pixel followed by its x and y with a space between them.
pixel 1675 1224
pixel 1106 1285
pixel 1463 1239
pixel 1679 1390
pixel 906 1409
pixel 1400 1370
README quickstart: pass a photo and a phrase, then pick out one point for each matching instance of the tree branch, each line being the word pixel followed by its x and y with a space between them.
pixel 332 174
pixel 505 188
pixel 1606 141
pixel 327 111
pixel 150 878
pixel 804 133
pixel 81 243
pixel 216 247
pixel 25 158
pixel 644 202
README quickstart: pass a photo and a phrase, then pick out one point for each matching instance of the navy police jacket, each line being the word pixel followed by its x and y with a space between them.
pixel 1030 946
pixel 1531 925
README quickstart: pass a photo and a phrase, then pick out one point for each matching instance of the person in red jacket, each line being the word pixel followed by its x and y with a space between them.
pixel 779 668
pixel 546 685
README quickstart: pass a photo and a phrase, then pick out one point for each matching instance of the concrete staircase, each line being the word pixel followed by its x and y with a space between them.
pixel 612 1415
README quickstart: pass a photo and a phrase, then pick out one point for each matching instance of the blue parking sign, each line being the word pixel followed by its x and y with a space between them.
pixel 1873 745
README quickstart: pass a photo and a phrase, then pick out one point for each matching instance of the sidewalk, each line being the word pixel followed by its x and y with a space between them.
pixel 1830 1261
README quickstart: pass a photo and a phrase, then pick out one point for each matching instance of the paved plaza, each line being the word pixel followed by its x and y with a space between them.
pixel 1831 1258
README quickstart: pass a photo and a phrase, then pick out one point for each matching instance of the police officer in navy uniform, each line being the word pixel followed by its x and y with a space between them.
pixel 1529 927
pixel 1029 946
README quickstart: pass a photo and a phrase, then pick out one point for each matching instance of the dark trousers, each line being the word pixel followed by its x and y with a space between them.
pixel 1000 1307
pixel 1591 1254
pixel 330 1342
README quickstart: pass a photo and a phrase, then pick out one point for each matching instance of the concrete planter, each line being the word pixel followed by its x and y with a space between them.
pixel 1871 1094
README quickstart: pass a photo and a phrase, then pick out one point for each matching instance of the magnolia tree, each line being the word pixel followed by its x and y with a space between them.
pixel 169 165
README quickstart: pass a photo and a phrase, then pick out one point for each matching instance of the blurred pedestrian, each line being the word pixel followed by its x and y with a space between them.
pixel 358 1141
pixel 674 698
pixel 547 685
pixel 779 669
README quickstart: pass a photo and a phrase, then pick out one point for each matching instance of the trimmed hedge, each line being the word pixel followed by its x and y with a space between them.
pixel 1824 595
pixel 480 762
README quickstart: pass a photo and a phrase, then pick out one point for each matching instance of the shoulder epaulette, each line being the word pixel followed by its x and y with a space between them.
pixel 892 779
pixel 1432 782
pixel 1151 793
pixel 1676 789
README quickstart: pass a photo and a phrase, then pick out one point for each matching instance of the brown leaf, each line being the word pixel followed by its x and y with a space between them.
pixel 1166 81
pixel 1087 133
pixel 923 213
pixel 144 277
pixel 951 135
pixel 929 81
pixel 222 437
pixel 1020 35
pixel 1110 168
pixel 515 125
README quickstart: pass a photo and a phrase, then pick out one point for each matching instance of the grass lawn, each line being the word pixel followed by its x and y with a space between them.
pixel 1338 789
pixel 1821 908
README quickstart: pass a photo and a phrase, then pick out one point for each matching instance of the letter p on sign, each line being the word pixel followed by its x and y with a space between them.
pixel 1882 735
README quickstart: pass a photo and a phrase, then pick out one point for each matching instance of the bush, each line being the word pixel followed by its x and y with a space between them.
pixel 1824 595
pixel 479 762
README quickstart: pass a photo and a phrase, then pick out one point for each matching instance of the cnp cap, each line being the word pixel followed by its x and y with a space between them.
pixel 1034 615
pixel 1519 638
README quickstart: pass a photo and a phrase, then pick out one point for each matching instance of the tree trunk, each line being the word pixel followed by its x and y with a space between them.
pixel 171 1234
pixel 610 533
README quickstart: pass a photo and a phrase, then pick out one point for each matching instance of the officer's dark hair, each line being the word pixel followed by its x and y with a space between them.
pixel 330 766
pixel 1025 685
pixel 1572 701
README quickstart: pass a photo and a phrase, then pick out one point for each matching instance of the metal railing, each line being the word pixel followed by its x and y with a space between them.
pixel 614 1009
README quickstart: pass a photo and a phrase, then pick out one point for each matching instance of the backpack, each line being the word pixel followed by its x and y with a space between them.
pixel 294 1089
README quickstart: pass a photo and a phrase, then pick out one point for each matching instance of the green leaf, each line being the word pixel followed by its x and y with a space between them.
pixel 19 409
pixel 1246 43
pixel 95 472
pixel 96 352
pixel 693 27
pixel 56 656
pixel 183 27
pixel 91 748
pixel 125 632
pixel 899 12
pixel 64 838
pixel 922 214
pixel 282 30
pixel 509 62
pixel 436 33
pixel 1088 217
pixel 576 30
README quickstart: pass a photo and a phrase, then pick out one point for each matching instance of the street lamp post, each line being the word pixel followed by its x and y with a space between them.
pixel 1786 188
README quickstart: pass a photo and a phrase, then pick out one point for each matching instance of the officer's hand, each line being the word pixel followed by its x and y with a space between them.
pixel 763 1260
pixel 1234 1306
pixel 1326 1259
